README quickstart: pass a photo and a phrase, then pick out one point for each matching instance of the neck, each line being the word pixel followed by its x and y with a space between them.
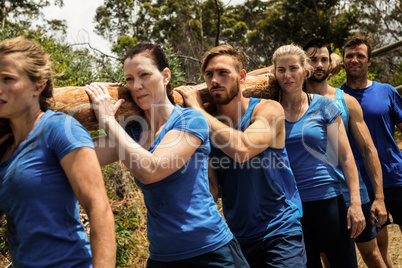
pixel 234 110
pixel 358 82
pixel 289 99
pixel 321 88
pixel 24 124
pixel 158 115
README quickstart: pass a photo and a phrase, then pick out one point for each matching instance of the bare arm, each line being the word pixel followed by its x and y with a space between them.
pixel 171 154
pixel 213 182
pixel 84 174
pixel 362 137
pixel 399 126
pixel 339 141
pixel 105 150
pixel 266 130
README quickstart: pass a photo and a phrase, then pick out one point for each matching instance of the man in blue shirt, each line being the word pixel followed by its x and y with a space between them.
pixel 382 111
pixel 249 164
pixel 319 53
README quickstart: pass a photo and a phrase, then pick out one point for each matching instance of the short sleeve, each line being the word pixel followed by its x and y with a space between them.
pixel 193 122
pixel 396 106
pixel 66 134
pixel 331 111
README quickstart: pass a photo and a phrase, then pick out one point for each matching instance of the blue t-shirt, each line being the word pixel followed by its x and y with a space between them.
pixel 183 219
pixel 310 153
pixel 382 110
pixel 42 212
pixel 339 100
pixel 259 196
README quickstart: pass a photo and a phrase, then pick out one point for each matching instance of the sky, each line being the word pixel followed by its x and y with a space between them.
pixel 79 15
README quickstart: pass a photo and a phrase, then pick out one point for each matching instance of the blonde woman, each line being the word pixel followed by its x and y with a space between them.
pixel 316 140
pixel 46 164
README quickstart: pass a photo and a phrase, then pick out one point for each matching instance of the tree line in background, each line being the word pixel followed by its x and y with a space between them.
pixel 188 28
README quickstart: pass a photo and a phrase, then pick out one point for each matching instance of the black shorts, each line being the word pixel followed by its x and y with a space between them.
pixel 325 230
pixel 229 256
pixel 393 204
pixel 285 250
pixel 369 233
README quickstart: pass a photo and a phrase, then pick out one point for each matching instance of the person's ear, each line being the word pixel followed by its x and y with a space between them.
pixel 39 87
pixel 243 75
pixel 166 76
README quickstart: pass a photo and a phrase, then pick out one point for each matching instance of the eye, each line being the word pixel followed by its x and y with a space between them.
pixel 129 79
pixel 208 74
pixel 8 79
pixel 144 74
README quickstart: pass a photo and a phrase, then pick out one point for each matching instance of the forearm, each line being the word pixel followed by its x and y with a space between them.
pixel 102 236
pixel 140 162
pixel 236 144
pixel 373 169
pixel 349 170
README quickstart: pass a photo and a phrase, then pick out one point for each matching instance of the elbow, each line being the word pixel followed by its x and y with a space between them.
pixel 148 176
pixel 241 156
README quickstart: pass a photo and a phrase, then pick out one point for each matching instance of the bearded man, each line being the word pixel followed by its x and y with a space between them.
pixel 249 166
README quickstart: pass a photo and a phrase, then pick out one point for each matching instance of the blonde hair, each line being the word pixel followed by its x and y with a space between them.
pixel 37 65
pixel 296 50
pixel 240 58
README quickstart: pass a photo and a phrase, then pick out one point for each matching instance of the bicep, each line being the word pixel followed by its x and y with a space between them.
pixel 84 174
pixel 105 151
pixel 267 128
pixel 358 128
pixel 177 145
pixel 337 137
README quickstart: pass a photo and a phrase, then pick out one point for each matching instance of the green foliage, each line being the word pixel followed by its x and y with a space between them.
pixel 21 12
pixel 397 77
pixel 175 68
pixel 4 251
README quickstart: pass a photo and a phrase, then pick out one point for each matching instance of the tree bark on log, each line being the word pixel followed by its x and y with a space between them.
pixel 75 102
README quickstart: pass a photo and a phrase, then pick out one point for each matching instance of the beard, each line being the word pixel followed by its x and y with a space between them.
pixel 320 79
pixel 221 99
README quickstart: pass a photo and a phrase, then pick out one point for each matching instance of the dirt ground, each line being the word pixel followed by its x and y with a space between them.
pixel 395 247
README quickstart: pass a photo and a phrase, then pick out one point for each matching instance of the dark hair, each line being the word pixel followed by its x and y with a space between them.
pixel 240 58
pixel 317 43
pixel 358 40
pixel 156 53
pixel 36 64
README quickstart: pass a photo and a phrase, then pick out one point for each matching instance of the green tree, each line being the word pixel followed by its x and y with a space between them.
pixel 22 11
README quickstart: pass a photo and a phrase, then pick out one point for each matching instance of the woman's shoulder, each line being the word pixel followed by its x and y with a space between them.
pixel 188 114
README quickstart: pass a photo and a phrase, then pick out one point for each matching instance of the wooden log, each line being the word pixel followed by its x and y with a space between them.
pixel 75 102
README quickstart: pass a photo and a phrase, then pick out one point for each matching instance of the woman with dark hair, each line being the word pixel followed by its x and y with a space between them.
pixel 46 164
pixel 166 149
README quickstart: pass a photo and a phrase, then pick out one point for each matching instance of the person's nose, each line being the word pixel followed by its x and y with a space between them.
pixel 287 74
pixel 214 80
pixel 137 85
pixel 354 59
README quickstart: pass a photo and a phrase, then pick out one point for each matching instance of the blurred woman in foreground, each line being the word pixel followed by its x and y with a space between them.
pixel 46 164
